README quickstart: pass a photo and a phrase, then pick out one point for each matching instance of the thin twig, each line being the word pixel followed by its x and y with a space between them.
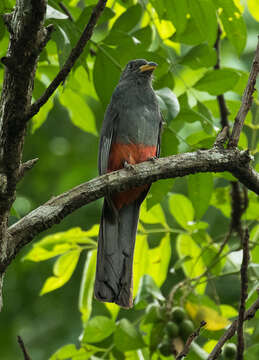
pixel 244 289
pixel 28 165
pixel 230 332
pixel 220 98
pixel 74 55
pixel 23 348
pixel 239 205
pixel 246 101
pixel 66 11
pixel 189 341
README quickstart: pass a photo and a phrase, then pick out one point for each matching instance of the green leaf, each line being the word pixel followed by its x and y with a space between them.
pixel 147 289
pixel 158 191
pixel 144 35
pixel 84 17
pixel 182 210
pixel 128 19
pixel 98 329
pixel 63 44
pixel 200 56
pixel 87 286
pixel 207 120
pixel 159 259
pixel 106 74
pixel 152 216
pixel 170 143
pixel 63 270
pixel 72 236
pixel 38 253
pixel 66 352
pixel 200 188
pixel 217 82
pixel 2 27
pixel 141 261
pixel 54 14
pixel 204 14
pixel 41 116
pixel 6 6
pixel 156 335
pixel 221 200
pixel 253 7
pixel 126 337
pixel 252 352
pixel 191 34
pixel 186 246
pixel 176 11
pixel 254 236
pixel 169 104
pixel 80 113
pixel 233 23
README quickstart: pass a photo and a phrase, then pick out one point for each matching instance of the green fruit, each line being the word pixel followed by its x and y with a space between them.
pixel 165 349
pixel 186 328
pixel 172 329
pixel 178 314
pixel 229 351
pixel 153 313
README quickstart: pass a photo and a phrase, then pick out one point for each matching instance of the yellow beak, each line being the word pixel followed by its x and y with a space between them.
pixel 148 67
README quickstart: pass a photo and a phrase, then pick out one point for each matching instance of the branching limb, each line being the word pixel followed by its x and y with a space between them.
pixel 57 208
pixel 28 165
pixel 74 55
pixel 230 332
pixel 244 289
pixel 246 101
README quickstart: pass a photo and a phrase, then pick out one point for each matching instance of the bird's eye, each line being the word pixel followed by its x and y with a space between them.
pixel 130 66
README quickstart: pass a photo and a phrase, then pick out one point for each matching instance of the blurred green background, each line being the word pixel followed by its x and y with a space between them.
pixel 68 157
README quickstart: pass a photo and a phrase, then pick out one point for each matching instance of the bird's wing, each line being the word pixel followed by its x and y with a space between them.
pixel 107 135
pixel 159 135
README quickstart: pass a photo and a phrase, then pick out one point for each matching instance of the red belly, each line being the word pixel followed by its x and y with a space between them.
pixel 132 154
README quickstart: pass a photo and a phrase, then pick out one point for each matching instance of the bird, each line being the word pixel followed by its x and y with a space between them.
pixel 130 134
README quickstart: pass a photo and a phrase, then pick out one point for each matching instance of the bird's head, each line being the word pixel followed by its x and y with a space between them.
pixel 138 69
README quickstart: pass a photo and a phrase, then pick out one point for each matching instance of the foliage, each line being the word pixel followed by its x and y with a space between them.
pixel 183 222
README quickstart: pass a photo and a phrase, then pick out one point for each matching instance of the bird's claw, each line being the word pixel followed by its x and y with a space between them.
pixel 128 166
pixel 153 158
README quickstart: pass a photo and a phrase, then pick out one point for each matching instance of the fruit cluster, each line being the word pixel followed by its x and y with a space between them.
pixel 167 326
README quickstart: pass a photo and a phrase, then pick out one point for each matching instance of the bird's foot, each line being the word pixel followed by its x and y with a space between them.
pixel 128 166
pixel 153 158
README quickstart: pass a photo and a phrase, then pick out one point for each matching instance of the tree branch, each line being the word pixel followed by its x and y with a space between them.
pixel 74 55
pixel 220 98
pixel 23 348
pixel 189 341
pixel 28 37
pixel 249 314
pixel 246 101
pixel 244 289
pixel 53 211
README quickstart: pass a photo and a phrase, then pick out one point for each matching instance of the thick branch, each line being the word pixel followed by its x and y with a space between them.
pixel 230 332
pixel 246 101
pixel 53 211
pixel 74 55
pixel 28 36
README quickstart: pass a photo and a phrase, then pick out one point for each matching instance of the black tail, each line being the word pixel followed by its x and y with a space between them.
pixel 116 242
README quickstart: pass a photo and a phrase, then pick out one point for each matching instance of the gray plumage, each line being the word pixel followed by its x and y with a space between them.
pixel 132 118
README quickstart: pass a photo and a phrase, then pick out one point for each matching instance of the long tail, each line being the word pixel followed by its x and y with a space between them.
pixel 116 242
